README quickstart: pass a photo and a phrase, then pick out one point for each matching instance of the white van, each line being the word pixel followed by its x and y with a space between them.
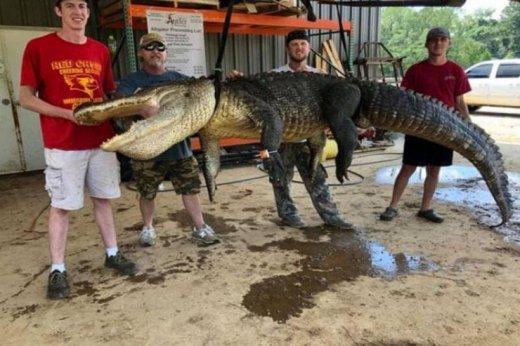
pixel 494 83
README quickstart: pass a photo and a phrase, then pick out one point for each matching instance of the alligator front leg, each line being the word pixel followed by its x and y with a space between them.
pixel 341 103
pixel 270 140
pixel 263 116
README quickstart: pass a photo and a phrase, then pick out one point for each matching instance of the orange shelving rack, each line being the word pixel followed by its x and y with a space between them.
pixel 127 15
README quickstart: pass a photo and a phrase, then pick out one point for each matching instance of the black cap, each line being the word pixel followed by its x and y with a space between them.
pixel 57 2
pixel 296 35
pixel 437 32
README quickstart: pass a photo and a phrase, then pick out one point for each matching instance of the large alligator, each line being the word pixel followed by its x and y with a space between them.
pixel 275 107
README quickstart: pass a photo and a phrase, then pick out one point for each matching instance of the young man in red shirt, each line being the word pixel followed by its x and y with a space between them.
pixel 445 80
pixel 60 71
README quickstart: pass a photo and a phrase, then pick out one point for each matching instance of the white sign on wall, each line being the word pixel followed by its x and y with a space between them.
pixel 184 34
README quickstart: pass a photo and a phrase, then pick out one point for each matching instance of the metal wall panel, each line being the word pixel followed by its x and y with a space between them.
pixel 20 137
pixel 253 53
pixel 36 13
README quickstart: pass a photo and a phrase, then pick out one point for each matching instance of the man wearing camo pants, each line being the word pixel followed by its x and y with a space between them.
pixel 297 46
pixel 177 162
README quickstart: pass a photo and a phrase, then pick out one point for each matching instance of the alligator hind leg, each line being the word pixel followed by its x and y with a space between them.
pixel 340 103
pixel 270 140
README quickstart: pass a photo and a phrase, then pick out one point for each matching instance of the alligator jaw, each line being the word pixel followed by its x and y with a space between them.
pixel 167 128
pixel 95 113
pixel 184 108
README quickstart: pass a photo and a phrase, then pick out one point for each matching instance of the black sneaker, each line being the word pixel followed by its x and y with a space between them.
pixel 430 215
pixel 58 287
pixel 293 221
pixel 337 222
pixel 389 214
pixel 120 263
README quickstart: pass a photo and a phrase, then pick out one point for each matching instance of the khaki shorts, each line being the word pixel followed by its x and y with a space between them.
pixel 183 173
pixel 69 171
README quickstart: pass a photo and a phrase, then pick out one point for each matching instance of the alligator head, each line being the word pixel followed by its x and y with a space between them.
pixel 184 108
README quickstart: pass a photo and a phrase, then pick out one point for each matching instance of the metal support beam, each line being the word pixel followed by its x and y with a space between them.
pixel 397 3
pixel 130 40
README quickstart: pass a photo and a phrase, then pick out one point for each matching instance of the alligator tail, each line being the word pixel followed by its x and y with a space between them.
pixel 391 108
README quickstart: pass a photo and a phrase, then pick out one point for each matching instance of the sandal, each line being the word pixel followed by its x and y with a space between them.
pixel 389 214
pixel 430 215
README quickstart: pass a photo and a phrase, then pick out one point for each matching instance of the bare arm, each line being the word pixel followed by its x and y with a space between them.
pixel 234 74
pixel 461 107
pixel 30 101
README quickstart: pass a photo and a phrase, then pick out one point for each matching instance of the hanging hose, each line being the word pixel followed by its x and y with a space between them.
pixel 217 74
pixel 131 186
pixel 345 63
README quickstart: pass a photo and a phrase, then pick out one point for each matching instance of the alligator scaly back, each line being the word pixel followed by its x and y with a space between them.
pixel 276 107
pixel 405 111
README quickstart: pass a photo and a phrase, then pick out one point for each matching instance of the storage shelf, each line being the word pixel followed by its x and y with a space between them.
pixel 125 15
pixel 241 23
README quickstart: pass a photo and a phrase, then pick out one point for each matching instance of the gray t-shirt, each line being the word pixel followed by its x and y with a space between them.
pixel 287 68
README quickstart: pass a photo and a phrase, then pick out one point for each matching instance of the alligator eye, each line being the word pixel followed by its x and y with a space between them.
pixel 187 94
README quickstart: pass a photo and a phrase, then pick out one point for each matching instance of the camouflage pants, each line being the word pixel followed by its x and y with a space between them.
pixel 298 154
pixel 183 173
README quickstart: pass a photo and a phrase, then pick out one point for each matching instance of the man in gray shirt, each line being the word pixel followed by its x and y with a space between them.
pixel 297 45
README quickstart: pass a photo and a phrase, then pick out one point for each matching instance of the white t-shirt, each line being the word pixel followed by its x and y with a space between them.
pixel 287 68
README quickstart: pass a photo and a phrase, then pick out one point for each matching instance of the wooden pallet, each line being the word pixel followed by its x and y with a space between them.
pixel 275 7
pixel 208 4
pixel 330 53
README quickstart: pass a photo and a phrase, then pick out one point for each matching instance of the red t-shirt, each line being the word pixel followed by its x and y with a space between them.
pixel 444 82
pixel 66 75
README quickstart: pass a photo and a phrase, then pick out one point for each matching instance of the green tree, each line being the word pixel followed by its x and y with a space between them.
pixel 403 30
pixel 475 37
pixel 484 30
pixel 510 29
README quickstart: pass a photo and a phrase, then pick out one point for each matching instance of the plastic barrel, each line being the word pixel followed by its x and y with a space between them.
pixel 330 151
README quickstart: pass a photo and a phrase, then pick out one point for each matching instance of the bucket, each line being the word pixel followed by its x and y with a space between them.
pixel 330 151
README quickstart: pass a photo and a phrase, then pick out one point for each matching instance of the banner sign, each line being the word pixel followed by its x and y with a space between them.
pixel 184 34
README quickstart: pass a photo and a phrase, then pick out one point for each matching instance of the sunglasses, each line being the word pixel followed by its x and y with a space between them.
pixel 152 46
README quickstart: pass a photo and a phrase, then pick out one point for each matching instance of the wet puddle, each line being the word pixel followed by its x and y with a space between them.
pixel 463 185
pixel 344 258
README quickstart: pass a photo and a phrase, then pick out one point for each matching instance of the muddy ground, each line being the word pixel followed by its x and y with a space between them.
pixel 407 282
